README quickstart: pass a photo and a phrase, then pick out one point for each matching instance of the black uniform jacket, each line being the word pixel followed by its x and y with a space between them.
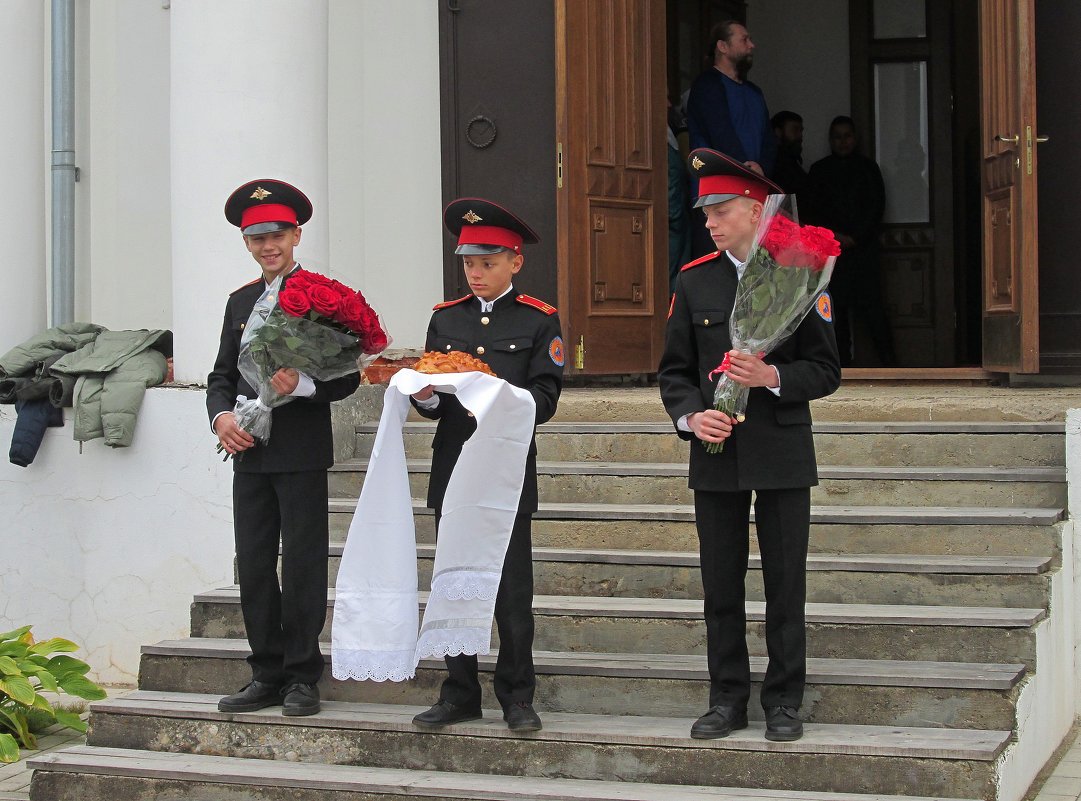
pixel 300 434
pixel 773 448
pixel 522 344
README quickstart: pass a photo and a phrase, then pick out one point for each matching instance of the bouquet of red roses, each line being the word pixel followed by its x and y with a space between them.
pixel 315 325
pixel 788 268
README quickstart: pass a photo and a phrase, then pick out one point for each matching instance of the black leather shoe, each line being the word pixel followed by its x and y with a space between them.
pixel 444 713
pixel 300 699
pixel 257 695
pixel 719 722
pixel 522 717
pixel 783 724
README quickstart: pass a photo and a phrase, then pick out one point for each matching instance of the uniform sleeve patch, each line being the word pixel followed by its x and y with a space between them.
pixel 824 307
pixel 555 352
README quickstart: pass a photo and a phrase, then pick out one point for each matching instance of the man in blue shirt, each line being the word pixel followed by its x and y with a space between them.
pixel 726 112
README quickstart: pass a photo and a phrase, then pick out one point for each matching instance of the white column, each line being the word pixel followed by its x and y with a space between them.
pixel 248 100
pixel 25 169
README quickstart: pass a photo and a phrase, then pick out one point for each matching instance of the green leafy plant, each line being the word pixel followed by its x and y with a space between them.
pixel 28 668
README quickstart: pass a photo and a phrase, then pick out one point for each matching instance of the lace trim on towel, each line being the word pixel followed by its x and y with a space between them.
pixel 451 642
pixel 466 585
pixel 373 665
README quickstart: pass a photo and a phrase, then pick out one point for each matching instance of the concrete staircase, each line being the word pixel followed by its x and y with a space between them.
pixel 935 635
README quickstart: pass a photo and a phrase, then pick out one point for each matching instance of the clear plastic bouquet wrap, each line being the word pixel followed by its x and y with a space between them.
pixel 789 267
pixel 315 325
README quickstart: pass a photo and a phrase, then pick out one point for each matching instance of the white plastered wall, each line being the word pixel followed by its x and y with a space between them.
pixel 385 197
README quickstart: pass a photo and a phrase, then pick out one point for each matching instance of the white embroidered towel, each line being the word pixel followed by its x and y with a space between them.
pixel 375 633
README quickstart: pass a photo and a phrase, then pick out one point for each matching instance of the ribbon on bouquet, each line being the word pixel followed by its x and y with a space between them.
pixel 375 631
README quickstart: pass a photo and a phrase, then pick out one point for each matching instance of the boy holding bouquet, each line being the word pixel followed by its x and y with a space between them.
pixel 279 487
pixel 771 453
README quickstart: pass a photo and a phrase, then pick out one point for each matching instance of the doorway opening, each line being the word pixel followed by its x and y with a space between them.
pixel 908 74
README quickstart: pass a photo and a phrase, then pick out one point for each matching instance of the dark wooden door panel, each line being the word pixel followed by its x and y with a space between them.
pixel 497 98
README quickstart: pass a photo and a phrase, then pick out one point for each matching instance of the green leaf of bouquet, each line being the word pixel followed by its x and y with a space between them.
pixel 293 343
pixel 19 688
pixel 71 720
pixel 9 748
pixel 52 646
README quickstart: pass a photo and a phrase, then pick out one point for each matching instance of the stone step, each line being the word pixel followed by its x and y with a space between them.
pixel 917 402
pixel 1018 531
pixel 89 772
pixel 900 444
pixel 832 578
pixel 666 483
pixel 673 626
pixel 870 759
pixel 872 692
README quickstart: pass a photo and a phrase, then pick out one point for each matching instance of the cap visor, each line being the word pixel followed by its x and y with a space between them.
pixel 265 228
pixel 478 250
pixel 712 200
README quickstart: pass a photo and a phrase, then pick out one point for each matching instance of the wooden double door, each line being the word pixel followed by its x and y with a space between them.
pixel 566 125
pixel 558 110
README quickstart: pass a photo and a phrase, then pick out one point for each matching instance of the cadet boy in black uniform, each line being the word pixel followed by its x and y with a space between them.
pixel 519 338
pixel 279 488
pixel 771 453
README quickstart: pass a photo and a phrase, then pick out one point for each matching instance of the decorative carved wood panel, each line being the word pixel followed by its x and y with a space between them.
pixel 612 205
pixel 1008 117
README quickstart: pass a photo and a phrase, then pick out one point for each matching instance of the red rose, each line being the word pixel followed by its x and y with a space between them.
pixel 324 299
pixel 341 289
pixel 376 341
pixel 351 312
pixel 294 302
pixel 298 281
pixel 820 243
pixel 315 278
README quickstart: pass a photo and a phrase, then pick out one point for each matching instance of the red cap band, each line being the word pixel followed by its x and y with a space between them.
pixel 267 212
pixel 490 235
pixel 732 185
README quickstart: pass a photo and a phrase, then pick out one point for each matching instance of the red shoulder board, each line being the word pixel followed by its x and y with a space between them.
pixel 257 280
pixel 447 304
pixel 703 260
pixel 539 305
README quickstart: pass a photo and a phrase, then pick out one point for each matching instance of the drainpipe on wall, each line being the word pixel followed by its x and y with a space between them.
pixel 64 170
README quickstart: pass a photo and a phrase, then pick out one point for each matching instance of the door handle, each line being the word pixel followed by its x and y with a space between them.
pixel 1042 139
pixel 1010 140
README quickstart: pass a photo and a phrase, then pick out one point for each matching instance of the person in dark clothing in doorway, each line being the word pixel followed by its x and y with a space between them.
pixel 788 172
pixel 849 198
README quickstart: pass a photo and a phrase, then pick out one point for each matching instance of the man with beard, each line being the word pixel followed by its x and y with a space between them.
pixel 788 172
pixel 726 112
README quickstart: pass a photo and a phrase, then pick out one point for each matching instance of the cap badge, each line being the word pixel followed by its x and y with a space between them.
pixel 260 194
pixel 697 163
pixel 472 217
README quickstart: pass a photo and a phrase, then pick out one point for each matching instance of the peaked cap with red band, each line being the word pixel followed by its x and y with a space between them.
pixel 259 207
pixel 722 178
pixel 483 227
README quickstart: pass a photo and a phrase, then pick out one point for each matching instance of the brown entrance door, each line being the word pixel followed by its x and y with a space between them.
pixel 1008 142
pixel 612 186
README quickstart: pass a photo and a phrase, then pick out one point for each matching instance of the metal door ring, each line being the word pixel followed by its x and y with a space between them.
pixel 487 135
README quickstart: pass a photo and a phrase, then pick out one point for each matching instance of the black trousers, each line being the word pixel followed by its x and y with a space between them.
pixel 783 519
pixel 515 679
pixel 283 621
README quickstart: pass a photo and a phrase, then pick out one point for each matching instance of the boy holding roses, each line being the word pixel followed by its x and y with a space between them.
pixel 279 488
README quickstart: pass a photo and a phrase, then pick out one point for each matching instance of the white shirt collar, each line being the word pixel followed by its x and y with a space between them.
pixel 487 305
pixel 739 265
